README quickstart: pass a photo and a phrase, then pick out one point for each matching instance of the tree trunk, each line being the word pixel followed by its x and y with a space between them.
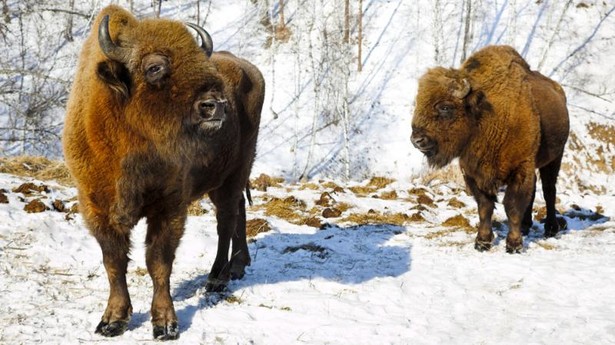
pixel 68 31
pixel 466 31
pixel 360 39
pixel 346 21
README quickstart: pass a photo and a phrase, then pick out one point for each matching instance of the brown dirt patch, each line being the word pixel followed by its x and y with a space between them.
pixel 331 212
pixel 35 206
pixel 30 188
pixel 3 198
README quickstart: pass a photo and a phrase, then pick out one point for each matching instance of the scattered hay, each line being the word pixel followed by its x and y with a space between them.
pixel 425 200
pixel 141 271
pixel 333 186
pixel 232 299
pixel 342 206
pixel 439 233
pixel 417 217
pixel 375 217
pixel 310 186
pixel 39 168
pixel 380 182
pixel 257 226
pixel 362 190
pixel 35 206
pixel 456 203
pixel 264 181
pixel 459 222
pixel 325 200
pixel 287 208
pixel 602 133
pixel 196 209
pixel 311 221
pixel 392 195
pixel 546 245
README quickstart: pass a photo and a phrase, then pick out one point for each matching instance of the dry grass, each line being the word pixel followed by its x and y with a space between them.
pixel 546 245
pixel 375 217
pixel 456 203
pixel 256 226
pixel 450 173
pixel 603 133
pixel 264 181
pixel 39 168
pixel 459 222
pixel 380 182
pixel 195 208
pixel 391 195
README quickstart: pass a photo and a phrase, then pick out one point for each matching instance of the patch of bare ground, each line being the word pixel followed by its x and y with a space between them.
pixel 39 168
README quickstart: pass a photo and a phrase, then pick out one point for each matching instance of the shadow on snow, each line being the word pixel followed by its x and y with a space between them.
pixel 350 255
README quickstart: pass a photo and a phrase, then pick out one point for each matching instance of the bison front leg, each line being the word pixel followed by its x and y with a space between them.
pixel 115 247
pixel 516 201
pixel 163 237
pixel 486 204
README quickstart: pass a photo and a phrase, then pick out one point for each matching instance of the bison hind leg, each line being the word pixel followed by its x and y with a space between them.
pixel 527 221
pixel 548 177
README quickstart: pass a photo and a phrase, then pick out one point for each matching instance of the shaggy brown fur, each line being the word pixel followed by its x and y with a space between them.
pixel 502 121
pixel 152 124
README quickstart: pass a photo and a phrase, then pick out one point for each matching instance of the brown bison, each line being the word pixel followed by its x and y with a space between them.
pixel 155 121
pixel 503 121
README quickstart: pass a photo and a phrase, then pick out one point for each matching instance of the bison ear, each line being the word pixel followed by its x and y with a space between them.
pixel 116 76
pixel 477 104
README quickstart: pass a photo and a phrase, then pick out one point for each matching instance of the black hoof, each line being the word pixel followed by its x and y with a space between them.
pixel 514 249
pixel 215 285
pixel 482 246
pixel 168 332
pixel 112 329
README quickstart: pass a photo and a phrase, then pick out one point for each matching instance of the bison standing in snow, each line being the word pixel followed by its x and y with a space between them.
pixel 503 121
pixel 155 121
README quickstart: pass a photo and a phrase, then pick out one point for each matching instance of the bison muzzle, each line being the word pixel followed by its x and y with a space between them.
pixel 154 121
pixel 503 121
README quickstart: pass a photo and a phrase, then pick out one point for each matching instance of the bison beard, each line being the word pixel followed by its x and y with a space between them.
pixel 154 122
pixel 503 121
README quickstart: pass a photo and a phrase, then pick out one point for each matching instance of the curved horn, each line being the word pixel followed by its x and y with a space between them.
pixel 206 43
pixel 110 49
pixel 464 91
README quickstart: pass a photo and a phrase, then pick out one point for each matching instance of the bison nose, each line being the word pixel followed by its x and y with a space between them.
pixel 211 109
pixel 423 143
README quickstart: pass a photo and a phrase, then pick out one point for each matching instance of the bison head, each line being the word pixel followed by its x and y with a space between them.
pixel 159 74
pixel 446 115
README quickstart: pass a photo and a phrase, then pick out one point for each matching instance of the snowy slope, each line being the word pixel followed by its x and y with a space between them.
pixel 418 281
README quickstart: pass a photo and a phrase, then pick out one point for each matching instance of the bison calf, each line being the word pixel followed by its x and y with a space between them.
pixel 503 121
pixel 154 121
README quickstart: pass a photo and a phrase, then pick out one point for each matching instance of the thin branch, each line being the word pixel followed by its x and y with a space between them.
pixel 582 45
pixel 86 16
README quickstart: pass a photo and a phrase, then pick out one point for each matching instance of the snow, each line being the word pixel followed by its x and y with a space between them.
pixel 419 283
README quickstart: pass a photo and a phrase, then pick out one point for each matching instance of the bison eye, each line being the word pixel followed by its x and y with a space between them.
pixel 446 111
pixel 155 68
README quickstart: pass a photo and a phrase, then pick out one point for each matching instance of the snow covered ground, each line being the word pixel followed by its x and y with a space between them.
pixel 383 281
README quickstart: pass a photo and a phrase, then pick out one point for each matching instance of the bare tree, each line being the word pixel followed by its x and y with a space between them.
pixel 466 30
pixel 360 38
pixel 346 21
pixel 68 31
